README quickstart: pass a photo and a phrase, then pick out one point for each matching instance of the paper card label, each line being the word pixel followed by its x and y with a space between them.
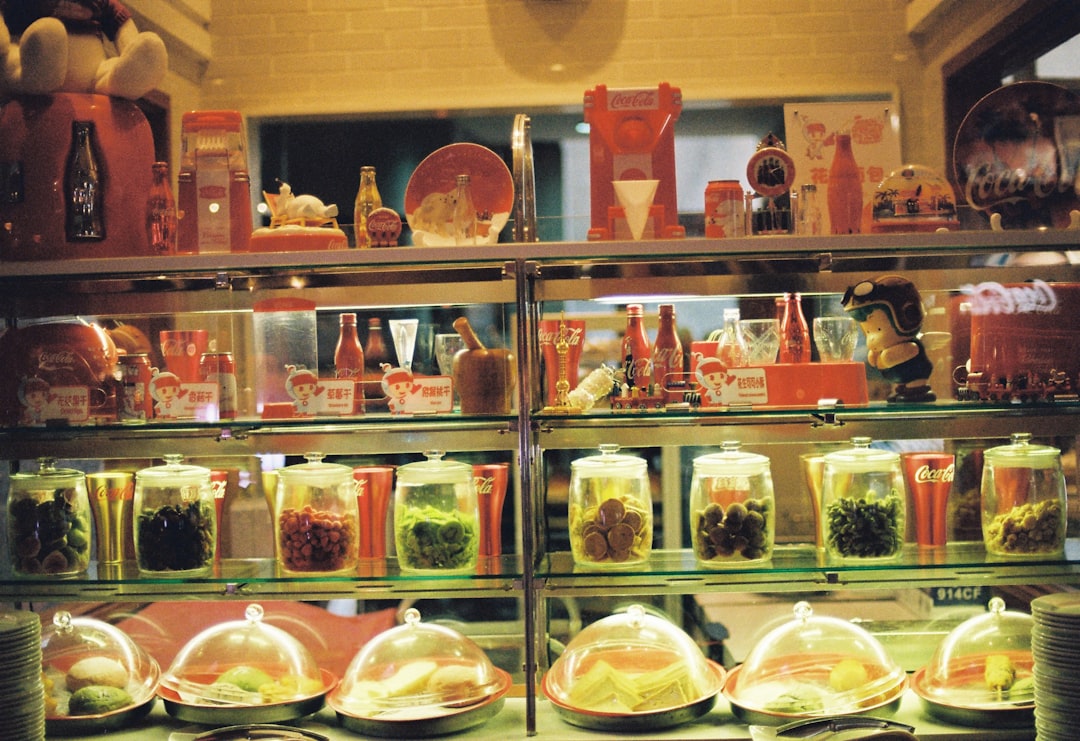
pixel 738 386
pixel 337 397
pixel 67 403
pixel 192 401
pixel 426 395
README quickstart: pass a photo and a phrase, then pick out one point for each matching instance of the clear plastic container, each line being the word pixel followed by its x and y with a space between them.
pixel 244 662
pixel 417 670
pixel 610 510
pixel 631 662
pixel 1023 500
pixel 813 666
pixel 316 520
pixel 175 519
pixel 93 672
pixel 732 507
pixel 984 663
pixel 286 341
pixel 436 517
pixel 48 521
pixel 864 506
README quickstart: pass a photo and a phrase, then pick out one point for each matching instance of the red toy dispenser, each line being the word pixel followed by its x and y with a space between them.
pixel 632 137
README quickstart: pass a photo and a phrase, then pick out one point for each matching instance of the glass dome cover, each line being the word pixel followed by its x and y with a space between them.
pixel 631 662
pixel 244 662
pixel 417 668
pixel 985 662
pixel 84 652
pixel 815 665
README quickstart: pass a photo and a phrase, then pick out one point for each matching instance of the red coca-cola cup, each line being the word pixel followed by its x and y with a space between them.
pixel 490 480
pixel 182 350
pixel 373 485
pixel 929 478
pixel 549 335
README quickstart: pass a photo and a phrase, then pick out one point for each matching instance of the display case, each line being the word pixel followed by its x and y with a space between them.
pixel 506 290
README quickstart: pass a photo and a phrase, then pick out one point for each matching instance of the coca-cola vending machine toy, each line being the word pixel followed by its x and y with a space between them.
pixel 632 138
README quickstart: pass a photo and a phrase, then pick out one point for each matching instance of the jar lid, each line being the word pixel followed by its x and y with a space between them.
pixel 731 461
pixel 315 472
pixel 1022 453
pixel 174 472
pixel 608 464
pixel 435 470
pixel 861 458
pixel 48 475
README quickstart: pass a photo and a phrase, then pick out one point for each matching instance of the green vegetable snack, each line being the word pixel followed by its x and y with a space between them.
pixel 865 527
pixel 432 538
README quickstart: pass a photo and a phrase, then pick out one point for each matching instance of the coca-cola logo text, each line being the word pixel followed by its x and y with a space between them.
pixel 988 186
pixel 1036 297
pixel 54 359
pixel 574 335
pixel 484 484
pixel 927 475
pixel 174 348
pixel 631 99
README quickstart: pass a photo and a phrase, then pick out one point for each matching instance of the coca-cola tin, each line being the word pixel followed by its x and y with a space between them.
pixel 725 214
pixel 136 403
pixel 220 368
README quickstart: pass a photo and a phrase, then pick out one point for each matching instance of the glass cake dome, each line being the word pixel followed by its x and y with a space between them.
pixel 628 664
pixel 813 666
pixel 244 663
pixel 96 677
pixel 985 662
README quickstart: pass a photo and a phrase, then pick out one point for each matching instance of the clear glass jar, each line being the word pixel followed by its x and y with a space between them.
pixel 732 507
pixel 1023 500
pixel 175 519
pixel 316 520
pixel 863 506
pixel 436 518
pixel 610 510
pixel 48 527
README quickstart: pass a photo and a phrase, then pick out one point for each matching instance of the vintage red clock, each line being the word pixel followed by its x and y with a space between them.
pixel 770 170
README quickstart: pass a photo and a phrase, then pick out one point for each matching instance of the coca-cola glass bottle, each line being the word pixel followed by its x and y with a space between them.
pixel 464 212
pixel 668 363
pixel 83 187
pixel 367 200
pixel 731 347
pixel 794 333
pixel 636 352
pixel 844 189
pixel 349 359
pixel 161 212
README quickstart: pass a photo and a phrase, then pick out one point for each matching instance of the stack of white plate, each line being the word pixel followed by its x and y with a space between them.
pixel 22 695
pixel 1055 647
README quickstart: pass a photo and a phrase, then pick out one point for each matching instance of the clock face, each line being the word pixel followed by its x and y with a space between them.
pixel 770 172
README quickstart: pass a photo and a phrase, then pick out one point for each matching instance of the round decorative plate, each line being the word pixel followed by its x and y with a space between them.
pixel 1017 154
pixel 429 196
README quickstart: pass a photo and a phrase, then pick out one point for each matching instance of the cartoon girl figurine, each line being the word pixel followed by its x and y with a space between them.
pixel 890 313
pixel 711 376
pixel 302 386
pixel 165 391
pixel 398 384
pixel 34 396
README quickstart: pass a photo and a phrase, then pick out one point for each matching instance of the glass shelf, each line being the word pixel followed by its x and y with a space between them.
pixel 804 568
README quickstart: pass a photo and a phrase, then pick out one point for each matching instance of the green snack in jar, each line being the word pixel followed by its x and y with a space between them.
pixel 433 538
pixel 865 527
pixel 97 699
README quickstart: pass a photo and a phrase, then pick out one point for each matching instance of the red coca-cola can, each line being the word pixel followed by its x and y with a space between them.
pixel 725 214
pixel 220 368
pixel 136 402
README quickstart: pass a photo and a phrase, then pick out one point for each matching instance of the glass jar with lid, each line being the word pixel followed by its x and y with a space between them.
pixel 610 511
pixel 1023 500
pixel 175 519
pixel 316 519
pixel 864 506
pixel 436 518
pixel 732 508
pixel 48 527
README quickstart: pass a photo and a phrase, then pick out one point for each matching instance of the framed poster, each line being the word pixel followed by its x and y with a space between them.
pixel 813 131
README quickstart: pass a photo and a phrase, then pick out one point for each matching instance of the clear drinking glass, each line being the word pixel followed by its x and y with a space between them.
pixel 762 339
pixel 835 337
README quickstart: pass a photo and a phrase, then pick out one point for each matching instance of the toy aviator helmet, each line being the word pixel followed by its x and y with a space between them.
pixel 895 294
pixel 890 312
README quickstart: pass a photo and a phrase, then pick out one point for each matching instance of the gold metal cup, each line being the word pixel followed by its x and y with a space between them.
pixel 111 496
